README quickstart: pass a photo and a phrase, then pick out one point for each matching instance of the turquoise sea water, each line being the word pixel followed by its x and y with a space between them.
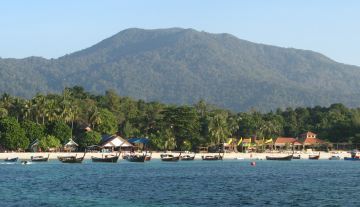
pixel 191 183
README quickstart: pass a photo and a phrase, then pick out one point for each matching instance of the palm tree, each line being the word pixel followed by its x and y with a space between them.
pixel 94 117
pixel 3 113
pixel 218 128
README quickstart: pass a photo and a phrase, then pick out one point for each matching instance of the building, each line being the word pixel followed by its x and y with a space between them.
pixel 310 140
pixel 115 142
pixel 287 143
pixel 230 145
pixel 70 146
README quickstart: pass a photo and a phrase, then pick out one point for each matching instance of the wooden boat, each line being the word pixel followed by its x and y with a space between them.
pixel 212 157
pixel 334 157
pixel 289 157
pixel 71 159
pixel 136 158
pixel 106 158
pixel 39 158
pixel 314 157
pixel 148 157
pixel 187 157
pixel 170 157
pixel 296 157
pixel 11 159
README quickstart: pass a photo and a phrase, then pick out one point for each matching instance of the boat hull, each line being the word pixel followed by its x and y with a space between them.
pixel 105 159
pixel 352 159
pixel 211 158
pixel 316 157
pixel 296 157
pixel 286 158
pixel 15 159
pixel 39 159
pixel 71 159
pixel 170 159
pixel 187 158
pixel 136 158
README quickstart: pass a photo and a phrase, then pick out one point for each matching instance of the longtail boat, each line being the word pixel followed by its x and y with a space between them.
pixel 11 159
pixel 296 157
pixel 136 158
pixel 314 157
pixel 39 158
pixel 106 158
pixel 187 157
pixel 71 159
pixel 289 157
pixel 148 157
pixel 212 157
pixel 170 157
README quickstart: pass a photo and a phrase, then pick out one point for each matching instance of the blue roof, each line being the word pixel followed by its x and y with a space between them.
pixel 138 140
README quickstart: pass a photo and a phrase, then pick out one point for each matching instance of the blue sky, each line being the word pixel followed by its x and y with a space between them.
pixel 52 28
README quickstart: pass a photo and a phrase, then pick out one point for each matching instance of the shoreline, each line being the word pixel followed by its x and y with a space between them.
pixel 156 155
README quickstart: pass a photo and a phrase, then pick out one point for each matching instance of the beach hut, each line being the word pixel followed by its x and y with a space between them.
pixel 70 146
pixel 115 142
pixel 34 146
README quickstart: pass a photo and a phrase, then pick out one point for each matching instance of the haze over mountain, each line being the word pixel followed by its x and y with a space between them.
pixel 183 66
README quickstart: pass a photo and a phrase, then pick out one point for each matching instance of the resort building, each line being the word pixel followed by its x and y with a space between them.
pixel 70 146
pixel 287 143
pixel 310 140
pixel 115 142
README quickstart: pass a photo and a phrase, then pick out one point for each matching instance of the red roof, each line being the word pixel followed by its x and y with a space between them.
pixel 284 140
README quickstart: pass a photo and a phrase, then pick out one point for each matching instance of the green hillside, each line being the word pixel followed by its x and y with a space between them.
pixel 184 65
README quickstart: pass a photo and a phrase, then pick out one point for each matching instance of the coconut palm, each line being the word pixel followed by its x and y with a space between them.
pixel 218 128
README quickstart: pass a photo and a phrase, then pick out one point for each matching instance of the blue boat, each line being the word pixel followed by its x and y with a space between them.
pixel 353 157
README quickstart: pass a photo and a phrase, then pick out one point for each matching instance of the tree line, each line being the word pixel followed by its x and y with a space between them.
pixel 54 118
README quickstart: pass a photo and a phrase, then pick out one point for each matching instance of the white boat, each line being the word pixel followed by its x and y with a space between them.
pixel 239 158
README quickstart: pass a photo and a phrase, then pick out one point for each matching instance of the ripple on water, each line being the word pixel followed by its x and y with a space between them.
pixel 197 183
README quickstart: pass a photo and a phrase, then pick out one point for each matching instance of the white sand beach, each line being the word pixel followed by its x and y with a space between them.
pixel 156 155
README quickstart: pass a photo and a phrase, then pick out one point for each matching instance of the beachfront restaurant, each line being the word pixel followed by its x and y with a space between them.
pixel 310 141
pixel 287 143
pixel 115 143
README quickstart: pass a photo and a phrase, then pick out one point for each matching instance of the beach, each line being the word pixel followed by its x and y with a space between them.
pixel 156 155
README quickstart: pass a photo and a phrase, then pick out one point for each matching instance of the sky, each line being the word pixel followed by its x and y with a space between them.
pixel 54 28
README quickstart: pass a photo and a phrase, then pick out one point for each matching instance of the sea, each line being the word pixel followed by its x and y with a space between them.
pixel 183 183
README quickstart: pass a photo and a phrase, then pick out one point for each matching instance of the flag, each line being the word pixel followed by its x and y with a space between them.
pixel 239 142
pixel 268 141
pixel 229 142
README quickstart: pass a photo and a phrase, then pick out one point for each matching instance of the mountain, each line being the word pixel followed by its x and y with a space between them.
pixel 183 66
